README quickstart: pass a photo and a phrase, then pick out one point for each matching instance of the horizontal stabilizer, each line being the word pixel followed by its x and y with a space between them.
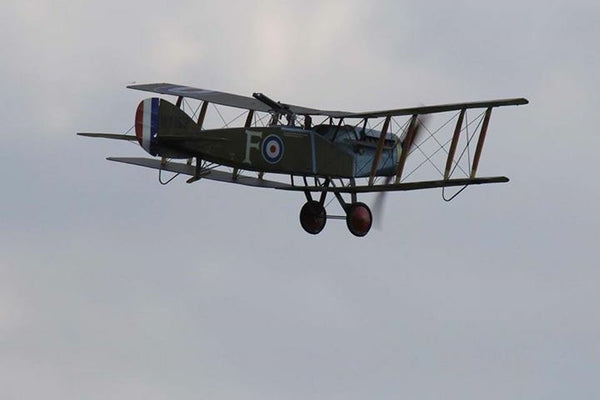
pixel 194 138
pixel 108 136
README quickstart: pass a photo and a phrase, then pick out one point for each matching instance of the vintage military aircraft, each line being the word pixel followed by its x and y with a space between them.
pixel 329 157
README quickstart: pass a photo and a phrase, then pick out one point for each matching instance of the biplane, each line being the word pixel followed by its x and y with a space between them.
pixel 343 155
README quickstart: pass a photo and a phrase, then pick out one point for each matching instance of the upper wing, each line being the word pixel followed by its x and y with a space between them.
pixel 250 103
pixel 212 96
pixel 228 99
pixel 437 108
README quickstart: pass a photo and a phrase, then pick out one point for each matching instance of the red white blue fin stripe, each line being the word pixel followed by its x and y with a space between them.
pixel 146 124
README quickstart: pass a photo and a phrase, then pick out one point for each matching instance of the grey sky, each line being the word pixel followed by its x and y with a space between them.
pixel 112 286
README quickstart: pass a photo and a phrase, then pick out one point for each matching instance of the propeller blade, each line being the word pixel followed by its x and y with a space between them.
pixel 378 206
pixel 408 142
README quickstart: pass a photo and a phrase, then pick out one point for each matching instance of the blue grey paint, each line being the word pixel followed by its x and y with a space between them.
pixel 362 145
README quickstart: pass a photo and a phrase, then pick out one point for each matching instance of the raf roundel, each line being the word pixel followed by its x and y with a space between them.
pixel 272 149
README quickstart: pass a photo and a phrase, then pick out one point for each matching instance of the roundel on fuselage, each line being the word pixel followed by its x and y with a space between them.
pixel 272 149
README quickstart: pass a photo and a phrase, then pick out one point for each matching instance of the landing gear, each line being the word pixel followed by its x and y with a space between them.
pixel 197 171
pixel 358 219
pixel 313 217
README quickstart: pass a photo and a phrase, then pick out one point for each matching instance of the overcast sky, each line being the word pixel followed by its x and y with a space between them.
pixel 115 287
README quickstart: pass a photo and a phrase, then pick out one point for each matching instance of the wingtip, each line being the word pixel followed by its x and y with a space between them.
pixel 141 86
pixel 135 85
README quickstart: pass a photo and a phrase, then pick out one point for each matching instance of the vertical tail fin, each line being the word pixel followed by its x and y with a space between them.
pixel 157 117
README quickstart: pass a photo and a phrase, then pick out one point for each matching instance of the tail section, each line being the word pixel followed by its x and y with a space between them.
pixel 156 118
pixel 146 125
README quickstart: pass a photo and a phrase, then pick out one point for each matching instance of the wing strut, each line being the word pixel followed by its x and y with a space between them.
pixel 202 114
pixel 379 149
pixel 247 124
pixel 406 146
pixel 486 121
pixel 454 143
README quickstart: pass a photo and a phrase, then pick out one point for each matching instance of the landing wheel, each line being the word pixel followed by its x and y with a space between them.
pixel 313 217
pixel 359 219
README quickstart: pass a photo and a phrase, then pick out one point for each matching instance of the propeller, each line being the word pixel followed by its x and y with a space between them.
pixel 406 143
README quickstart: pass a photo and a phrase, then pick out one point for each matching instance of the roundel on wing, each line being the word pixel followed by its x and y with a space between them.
pixel 272 149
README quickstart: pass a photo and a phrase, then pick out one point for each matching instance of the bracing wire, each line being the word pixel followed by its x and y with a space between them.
pixel 220 115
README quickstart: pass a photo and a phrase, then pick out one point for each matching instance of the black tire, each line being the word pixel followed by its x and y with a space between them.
pixel 313 217
pixel 359 219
